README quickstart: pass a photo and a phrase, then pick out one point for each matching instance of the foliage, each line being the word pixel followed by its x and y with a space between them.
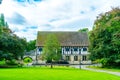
pixel 27 60
pixel 8 63
pixel 105 38
pixel 31 45
pixel 11 62
pixel 3 62
pixel 84 30
pixel 11 46
pixel 51 50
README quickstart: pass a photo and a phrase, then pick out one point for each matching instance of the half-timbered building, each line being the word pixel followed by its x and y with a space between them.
pixel 74 45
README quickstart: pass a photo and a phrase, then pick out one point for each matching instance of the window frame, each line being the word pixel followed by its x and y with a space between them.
pixel 67 58
pixel 84 58
pixel 84 49
pixel 40 49
pixel 75 58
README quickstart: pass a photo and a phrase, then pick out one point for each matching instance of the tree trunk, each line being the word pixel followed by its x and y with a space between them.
pixel 51 65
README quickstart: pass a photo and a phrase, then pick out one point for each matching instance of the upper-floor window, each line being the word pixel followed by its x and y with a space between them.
pixel 40 49
pixel 67 49
pixel 75 49
pixel 84 49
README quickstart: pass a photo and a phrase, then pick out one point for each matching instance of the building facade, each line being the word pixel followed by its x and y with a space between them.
pixel 74 46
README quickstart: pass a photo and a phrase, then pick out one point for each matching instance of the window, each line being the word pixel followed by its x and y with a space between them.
pixel 84 49
pixel 75 49
pixel 67 49
pixel 75 58
pixel 84 57
pixel 40 49
pixel 67 58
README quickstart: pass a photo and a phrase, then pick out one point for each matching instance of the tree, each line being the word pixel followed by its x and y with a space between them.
pixel 84 30
pixel 104 38
pixel 31 45
pixel 51 50
pixel 2 20
pixel 11 46
pixel 4 27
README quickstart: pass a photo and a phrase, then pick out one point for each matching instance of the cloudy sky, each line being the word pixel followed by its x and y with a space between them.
pixel 26 17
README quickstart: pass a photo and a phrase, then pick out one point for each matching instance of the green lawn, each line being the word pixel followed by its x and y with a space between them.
pixel 39 73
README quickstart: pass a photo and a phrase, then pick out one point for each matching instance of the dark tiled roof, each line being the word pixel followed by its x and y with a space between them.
pixel 65 38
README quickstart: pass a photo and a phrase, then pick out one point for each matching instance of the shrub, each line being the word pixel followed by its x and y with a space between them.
pixel 11 62
pixel 96 61
pixel 27 60
pixel 104 61
pixel 2 62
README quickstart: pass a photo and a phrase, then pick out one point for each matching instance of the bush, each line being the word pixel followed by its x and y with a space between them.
pixel 8 63
pixel 2 62
pixel 27 60
pixel 96 61
pixel 117 62
pixel 62 62
pixel 11 62
pixel 104 62
pixel 58 62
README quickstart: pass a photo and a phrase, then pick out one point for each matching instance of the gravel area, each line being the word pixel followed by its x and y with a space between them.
pixel 97 70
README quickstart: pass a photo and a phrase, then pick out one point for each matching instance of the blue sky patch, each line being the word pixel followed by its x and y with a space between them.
pixel 92 8
pixel 33 27
pixel 24 30
pixel 0 1
pixel 29 0
pixel 82 12
pixel 17 19
pixel 20 0
pixel 38 0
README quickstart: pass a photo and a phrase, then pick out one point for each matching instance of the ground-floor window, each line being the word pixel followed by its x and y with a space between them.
pixel 67 58
pixel 84 57
pixel 75 58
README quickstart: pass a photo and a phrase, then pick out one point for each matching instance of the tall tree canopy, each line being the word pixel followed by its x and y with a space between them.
pixel 105 38
pixel 84 30
pixel 51 50
pixel 31 45
pixel 11 46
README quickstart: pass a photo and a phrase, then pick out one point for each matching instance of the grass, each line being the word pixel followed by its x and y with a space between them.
pixel 107 69
pixel 58 73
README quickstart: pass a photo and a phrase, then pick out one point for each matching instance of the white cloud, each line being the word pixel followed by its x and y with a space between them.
pixel 54 14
